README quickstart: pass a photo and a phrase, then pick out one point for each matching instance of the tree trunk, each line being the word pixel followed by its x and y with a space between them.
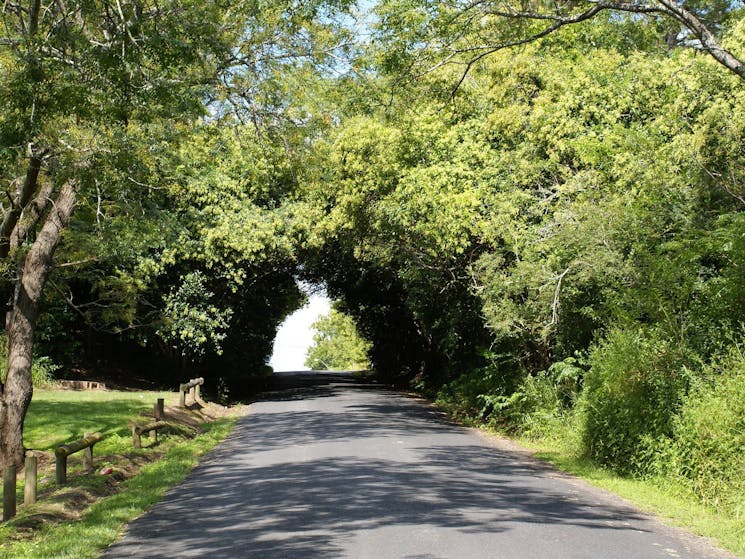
pixel 33 271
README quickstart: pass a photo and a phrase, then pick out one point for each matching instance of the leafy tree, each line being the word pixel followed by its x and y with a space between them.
pixel 98 96
pixel 77 78
pixel 336 344
pixel 578 200
pixel 431 34
pixel 191 322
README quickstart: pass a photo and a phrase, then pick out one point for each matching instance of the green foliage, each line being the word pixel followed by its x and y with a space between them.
pixel 523 404
pixel 557 249
pixel 337 345
pixel 705 449
pixel 43 369
pixel 632 392
pixel 578 196
pixel 191 321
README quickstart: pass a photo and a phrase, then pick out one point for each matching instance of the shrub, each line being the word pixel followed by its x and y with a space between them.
pixel 539 405
pixel 42 370
pixel 706 452
pixel 632 391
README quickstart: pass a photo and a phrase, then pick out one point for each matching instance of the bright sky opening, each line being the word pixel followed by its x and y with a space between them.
pixel 295 335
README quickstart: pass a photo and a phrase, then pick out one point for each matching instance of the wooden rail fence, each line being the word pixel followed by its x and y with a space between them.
pixel 65 450
pixel 85 444
pixel 192 387
pixel 31 468
pixel 139 430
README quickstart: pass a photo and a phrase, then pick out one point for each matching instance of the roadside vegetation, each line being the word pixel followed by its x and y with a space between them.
pixel 82 517
pixel 534 217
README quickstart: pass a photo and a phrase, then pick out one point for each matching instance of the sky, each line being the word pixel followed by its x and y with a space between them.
pixel 295 336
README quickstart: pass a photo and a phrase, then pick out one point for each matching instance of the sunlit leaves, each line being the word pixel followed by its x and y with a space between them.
pixel 191 321
pixel 336 344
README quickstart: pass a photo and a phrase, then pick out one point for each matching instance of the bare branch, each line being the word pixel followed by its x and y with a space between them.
pixel 76 263
pixel 561 16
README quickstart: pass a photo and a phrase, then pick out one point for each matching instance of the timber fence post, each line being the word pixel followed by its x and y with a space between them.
pixel 9 493
pixel 159 409
pixel 60 469
pixel 30 471
pixel 88 455
pixel 193 387
pixel 63 451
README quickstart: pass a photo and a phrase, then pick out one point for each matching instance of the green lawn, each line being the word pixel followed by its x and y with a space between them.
pixel 60 416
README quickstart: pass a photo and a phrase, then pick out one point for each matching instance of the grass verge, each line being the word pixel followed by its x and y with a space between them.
pixel 59 416
pixel 674 505
pixel 84 517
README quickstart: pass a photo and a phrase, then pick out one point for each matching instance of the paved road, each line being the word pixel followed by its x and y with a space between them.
pixel 329 467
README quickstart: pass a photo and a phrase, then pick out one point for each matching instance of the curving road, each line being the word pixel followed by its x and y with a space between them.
pixel 329 467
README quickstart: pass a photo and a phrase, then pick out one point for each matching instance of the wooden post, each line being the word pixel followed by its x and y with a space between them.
pixel 136 440
pixel 88 455
pixel 9 493
pixel 182 396
pixel 60 469
pixel 30 470
pixel 63 451
pixel 159 410
pixel 197 392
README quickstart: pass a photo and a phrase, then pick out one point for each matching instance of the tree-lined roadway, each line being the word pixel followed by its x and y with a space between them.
pixel 327 466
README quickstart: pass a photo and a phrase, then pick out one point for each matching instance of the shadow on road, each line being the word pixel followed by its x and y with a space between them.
pixel 295 488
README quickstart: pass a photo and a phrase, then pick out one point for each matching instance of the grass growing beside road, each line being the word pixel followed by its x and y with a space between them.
pixel 60 416
pixel 653 495
pixel 82 518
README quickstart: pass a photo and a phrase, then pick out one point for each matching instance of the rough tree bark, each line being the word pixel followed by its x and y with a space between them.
pixel 33 271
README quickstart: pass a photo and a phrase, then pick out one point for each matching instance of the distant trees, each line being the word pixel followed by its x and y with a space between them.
pixel 336 344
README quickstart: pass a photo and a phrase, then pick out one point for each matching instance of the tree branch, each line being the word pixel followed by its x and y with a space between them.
pixel 13 215
pixel 561 18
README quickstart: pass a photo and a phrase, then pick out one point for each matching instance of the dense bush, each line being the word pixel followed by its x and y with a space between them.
pixel 706 451
pixel 42 369
pixel 632 391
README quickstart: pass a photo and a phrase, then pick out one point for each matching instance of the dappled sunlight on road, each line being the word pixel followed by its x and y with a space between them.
pixel 339 468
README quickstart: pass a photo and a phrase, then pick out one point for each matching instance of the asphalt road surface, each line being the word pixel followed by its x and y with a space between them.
pixel 330 467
